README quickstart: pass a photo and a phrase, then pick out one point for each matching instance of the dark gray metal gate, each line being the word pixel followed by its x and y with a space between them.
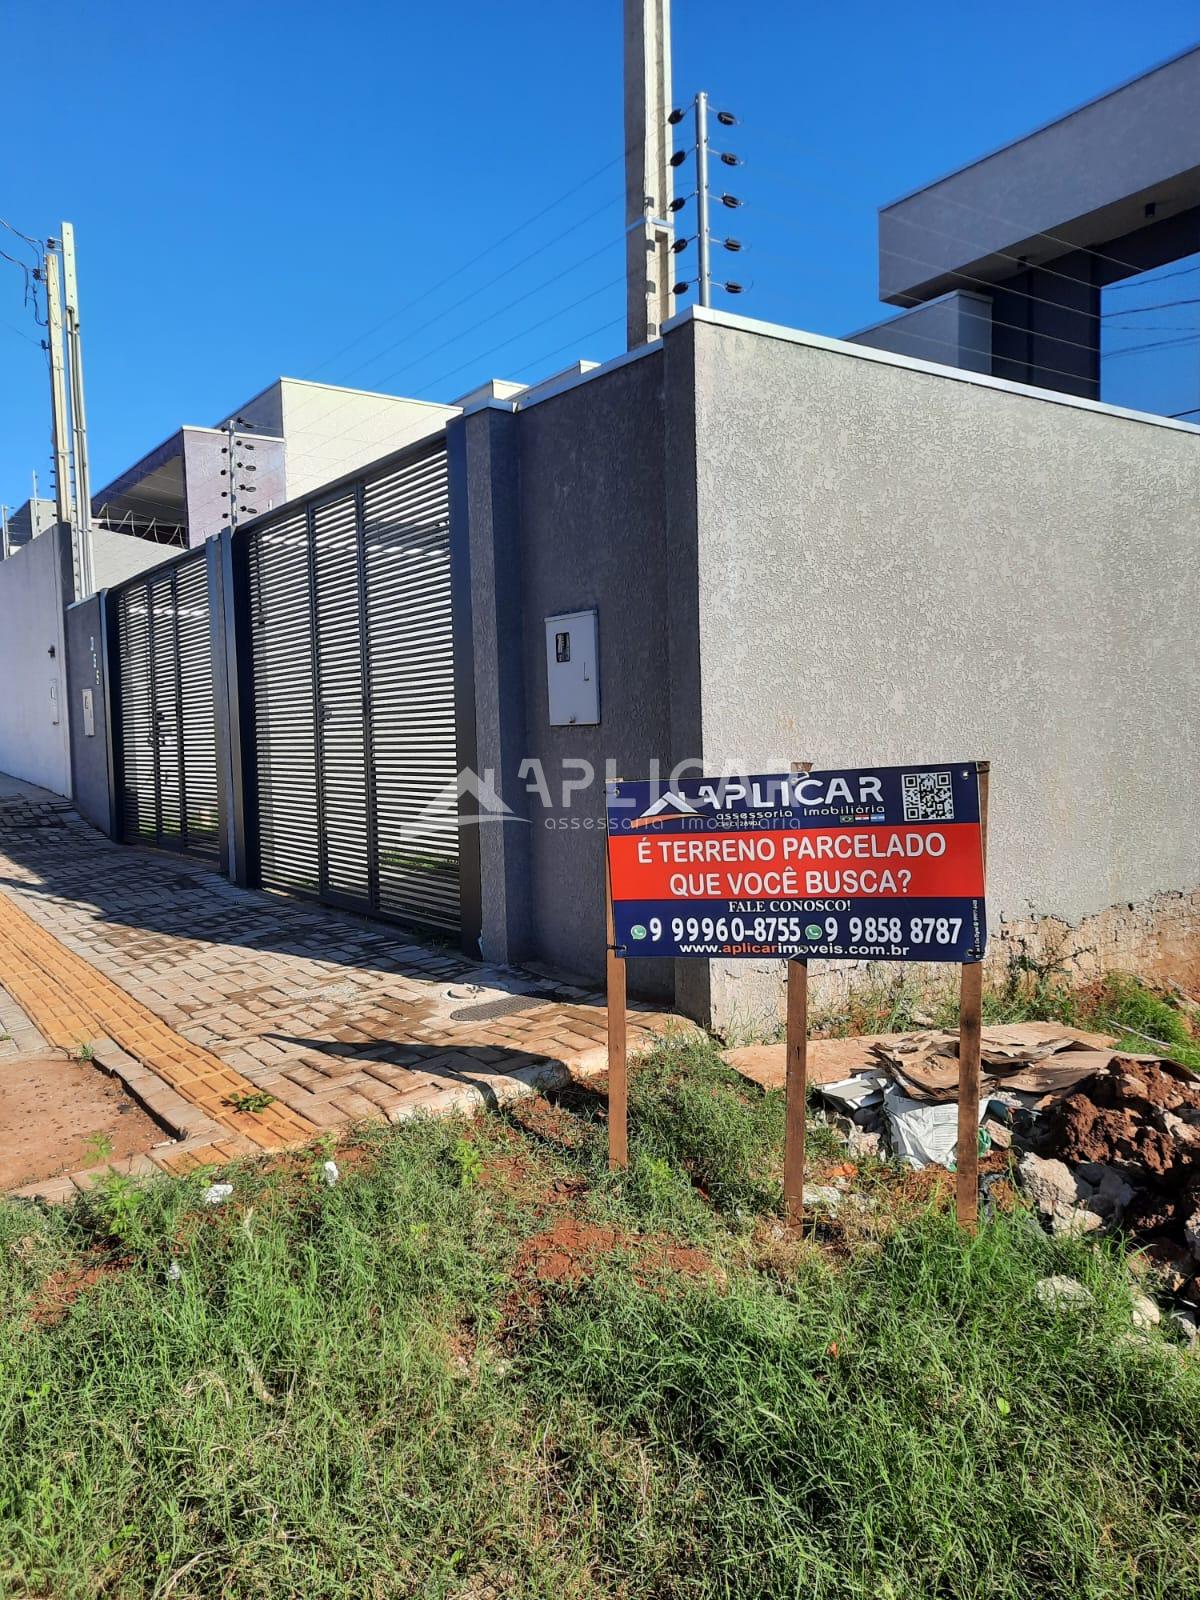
pixel 353 694
pixel 166 758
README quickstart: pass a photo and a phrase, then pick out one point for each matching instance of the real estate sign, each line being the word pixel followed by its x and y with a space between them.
pixel 880 864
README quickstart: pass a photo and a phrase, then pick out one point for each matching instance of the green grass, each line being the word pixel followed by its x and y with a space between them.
pixel 368 1390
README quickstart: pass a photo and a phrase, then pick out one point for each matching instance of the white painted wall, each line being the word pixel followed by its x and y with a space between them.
pixel 33 745
pixel 35 584
pixel 117 556
pixel 330 431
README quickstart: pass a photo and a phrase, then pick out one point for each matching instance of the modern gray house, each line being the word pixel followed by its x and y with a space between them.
pixel 399 683
pixel 784 548
pixel 1001 265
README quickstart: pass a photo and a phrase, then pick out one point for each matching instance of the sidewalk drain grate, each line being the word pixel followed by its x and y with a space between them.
pixel 499 1008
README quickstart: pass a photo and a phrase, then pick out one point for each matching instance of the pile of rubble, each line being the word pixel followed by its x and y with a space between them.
pixel 1103 1140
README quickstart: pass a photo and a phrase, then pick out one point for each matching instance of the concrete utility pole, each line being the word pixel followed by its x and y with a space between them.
pixel 4 532
pixel 648 187
pixel 83 490
pixel 58 395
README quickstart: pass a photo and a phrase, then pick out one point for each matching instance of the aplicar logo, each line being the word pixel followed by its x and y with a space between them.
pixel 669 804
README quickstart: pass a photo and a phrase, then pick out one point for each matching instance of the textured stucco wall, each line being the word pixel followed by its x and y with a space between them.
pixel 593 532
pixel 897 565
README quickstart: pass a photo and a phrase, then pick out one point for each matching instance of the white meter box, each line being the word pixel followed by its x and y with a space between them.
pixel 572 668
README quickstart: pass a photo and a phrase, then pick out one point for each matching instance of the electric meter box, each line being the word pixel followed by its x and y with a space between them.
pixel 573 669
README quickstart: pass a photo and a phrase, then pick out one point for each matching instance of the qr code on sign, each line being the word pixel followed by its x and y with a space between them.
pixel 928 797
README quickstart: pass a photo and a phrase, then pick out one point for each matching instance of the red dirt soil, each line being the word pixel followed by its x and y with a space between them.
pixel 1143 1118
pixel 571 1250
pixel 59 1115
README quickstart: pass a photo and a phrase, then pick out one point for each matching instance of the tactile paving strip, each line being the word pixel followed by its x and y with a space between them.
pixel 70 1003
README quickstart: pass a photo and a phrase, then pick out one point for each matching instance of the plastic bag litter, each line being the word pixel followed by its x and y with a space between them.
pixel 216 1194
pixel 853 1094
pixel 330 1173
pixel 923 1132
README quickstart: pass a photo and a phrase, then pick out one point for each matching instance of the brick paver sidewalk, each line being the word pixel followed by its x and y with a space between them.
pixel 199 993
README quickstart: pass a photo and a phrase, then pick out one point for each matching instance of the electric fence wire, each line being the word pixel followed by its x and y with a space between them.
pixel 796 261
pixel 461 333
pixel 483 254
pixel 807 264
pixel 1069 245
pixel 940 269
pixel 967 277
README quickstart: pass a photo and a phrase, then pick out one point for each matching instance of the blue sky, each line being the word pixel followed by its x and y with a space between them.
pixel 293 188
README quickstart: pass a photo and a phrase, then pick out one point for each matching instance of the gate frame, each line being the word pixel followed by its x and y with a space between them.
pixel 110 599
pixel 239 650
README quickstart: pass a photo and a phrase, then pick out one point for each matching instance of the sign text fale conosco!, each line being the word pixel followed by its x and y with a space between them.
pixel 885 864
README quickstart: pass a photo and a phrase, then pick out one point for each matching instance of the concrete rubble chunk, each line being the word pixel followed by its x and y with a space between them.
pixel 1060 1293
pixel 1144 1313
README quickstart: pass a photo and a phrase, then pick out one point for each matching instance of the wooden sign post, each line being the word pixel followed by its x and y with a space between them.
pixel 618 1079
pixel 795 1089
pixel 970 1030
pixel 883 863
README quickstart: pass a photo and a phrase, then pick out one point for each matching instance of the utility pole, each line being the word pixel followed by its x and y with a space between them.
pixel 648 188
pixel 58 402
pixel 4 532
pixel 83 490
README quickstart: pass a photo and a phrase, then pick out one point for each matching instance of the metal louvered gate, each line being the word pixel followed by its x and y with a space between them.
pixel 353 694
pixel 166 752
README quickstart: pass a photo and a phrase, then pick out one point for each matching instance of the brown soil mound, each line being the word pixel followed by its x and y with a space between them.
pixel 1141 1117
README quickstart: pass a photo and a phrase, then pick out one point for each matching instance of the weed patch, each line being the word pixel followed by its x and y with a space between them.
pixel 481 1364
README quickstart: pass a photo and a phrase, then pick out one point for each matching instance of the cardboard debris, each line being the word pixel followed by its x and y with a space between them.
pixel 1035 1058
pixel 828 1059
pixel 927 1063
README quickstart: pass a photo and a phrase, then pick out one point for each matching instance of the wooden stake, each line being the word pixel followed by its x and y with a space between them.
pixel 970 1028
pixel 796 1090
pixel 618 1083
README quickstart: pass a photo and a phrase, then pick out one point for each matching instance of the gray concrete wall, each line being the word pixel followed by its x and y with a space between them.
pixel 905 565
pixel 117 556
pixel 592 517
pixel 332 431
pixel 91 789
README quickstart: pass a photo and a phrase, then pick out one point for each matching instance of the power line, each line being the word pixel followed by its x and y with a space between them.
pixel 34 244
pixel 993 216
pixel 498 244
pixel 21 334
pixel 1146 283
pixel 461 333
pixel 1159 305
